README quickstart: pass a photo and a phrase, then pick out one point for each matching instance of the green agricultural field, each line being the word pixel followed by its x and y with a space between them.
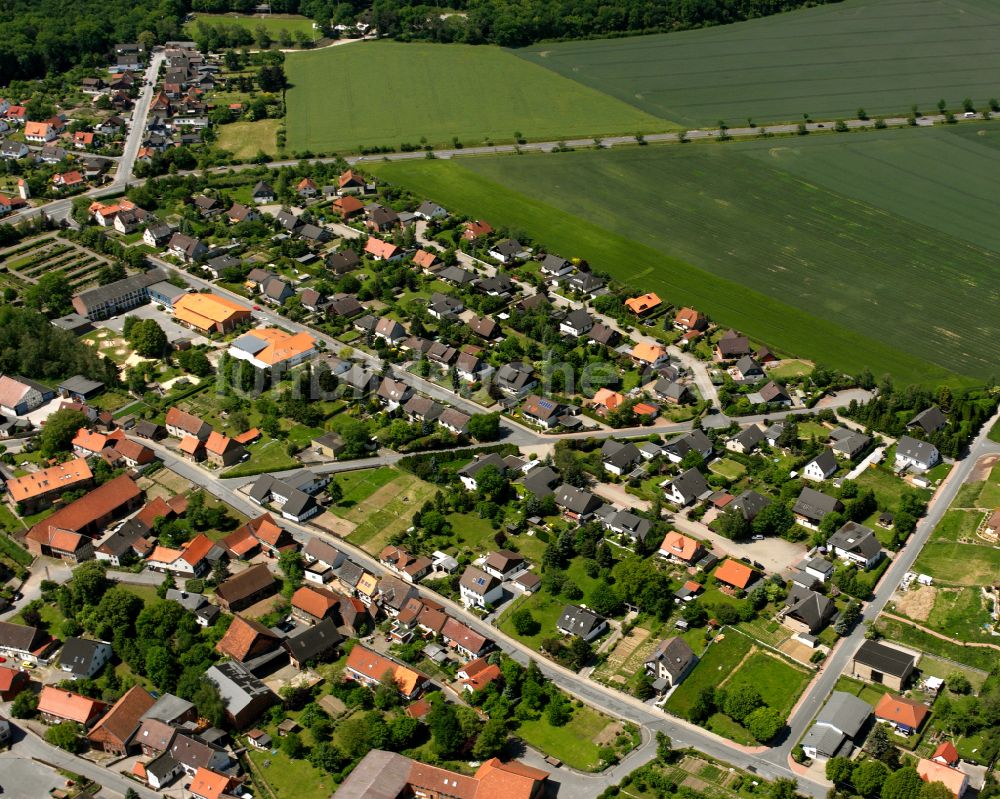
pixel 274 24
pixel 793 261
pixel 825 61
pixel 389 93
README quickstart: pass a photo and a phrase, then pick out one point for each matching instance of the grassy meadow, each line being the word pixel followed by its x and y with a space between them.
pixel 826 61
pixel 388 93
pixel 772 237
pixel 274 24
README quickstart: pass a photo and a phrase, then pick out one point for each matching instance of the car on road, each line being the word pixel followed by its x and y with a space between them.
pixel 758 538
pixel 257 308
pixel 27 665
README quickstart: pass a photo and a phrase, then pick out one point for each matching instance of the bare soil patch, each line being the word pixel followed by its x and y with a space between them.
pixel 917 603
pixel 606 737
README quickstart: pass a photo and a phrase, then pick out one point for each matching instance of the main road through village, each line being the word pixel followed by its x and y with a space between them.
pixel 769 762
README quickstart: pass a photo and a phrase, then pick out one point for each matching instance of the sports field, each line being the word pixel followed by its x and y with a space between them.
pixel 776 236
pixel 387 93
pixel 274 24
pixel 827 61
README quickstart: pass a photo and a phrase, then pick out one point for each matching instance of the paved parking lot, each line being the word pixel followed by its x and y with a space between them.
pixel 22 778
pixel 173 330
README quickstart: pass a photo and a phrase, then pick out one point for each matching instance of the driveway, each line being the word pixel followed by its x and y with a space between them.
pixel 42 569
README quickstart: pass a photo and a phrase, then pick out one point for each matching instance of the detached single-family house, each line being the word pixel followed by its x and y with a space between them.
pixel 83 658
pixel 807 611
pixel 576 323
pixel 581 622
pixel 836 726
pixel 680 547
pixel 812 507
pixel 504 564
pixel 911 453
pixel 686 488
pixel 821 467
pixel 693 441
pixel 856 543
pixel 746 441
pixel 576 504
pixel 670 663
pixel 953 779
pixel 930 420
pixel 479 589
pixel 905 715
pixel 619 457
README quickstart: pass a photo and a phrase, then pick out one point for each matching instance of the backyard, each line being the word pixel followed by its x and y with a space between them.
pixel 575 743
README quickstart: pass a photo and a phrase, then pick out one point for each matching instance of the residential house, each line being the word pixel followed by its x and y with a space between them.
pixel 732 346
pixel 20 642
pixel 747 440
pixel 692 441
pixel 806 611
pixel 849 443
pixel 312 604
pixel 430 210
pixel 476 229
pixel 604 335
pixel 343 262
pixel 575 503
pixel 382 250
pixel 643 304
pixel 504 564
pixel 83 658
pixel 157 235
pixel 412 568
pixel 930 420
pixel 581 622
pixel 605 401
pixel 681 548
pixel 905 715
pixel 747 370
pixel 813 506
pixel 387 775
pixel 390 331
pixel 911 453
pixel 821 467
pixel 116 729
pixel 56 705
pixel 670 663
pixel 479 589
pixel 12 682
pixel 543 412
pixel 247 639
pixel 246 588
pixel 645 354
pixel 186 248
pixel 36 491
pixel 515 379
pixel 749 504
pixel 619 457
pixel 836 726
pixel 882 664
pixel 181 423
pixel 686 488
pixel 262 193
pixel 735 574
pixel 316 643
pixel 477 674
pixel 770 393
pixel 369 668
pixel 223 451
pixel 245 696
pixel 508 251
pixel 426 260
pixel 857 544
pixel 957 782
pixel 689 319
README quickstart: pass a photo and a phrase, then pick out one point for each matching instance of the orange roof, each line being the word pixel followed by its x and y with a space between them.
pixel 139 770
pixel 953 779
pixel 123 718
pixel 196 549
pixel 692 586
pixel 679 546
pixel 900 710
pixel 89 509
pixel 424 259
pixel 248 437
pixel 688 317
pixel 163 554
pixel 380 249
pixel 373 666
pixel 642 303
pixel 348 205
pixel 208 784
pixel 68 178
pixel 153 509
pixel 477 228
pixel 95 442
pixel 217 443
pixel 348 177
pixel 241 637
pixel 67 705
pixel 648 353
pixel 281 346
pixel 190 445
pixel 734 573
pixel 306 183
pixel 36 128
pixel 64 540
pixel 513 780
pixel 947 752
pixel 264 529
pixel 239 542
pixel 61 477
pixel 479 673
pixel 205 311
pixel 317 602
pixel 644 409
pixel 609 399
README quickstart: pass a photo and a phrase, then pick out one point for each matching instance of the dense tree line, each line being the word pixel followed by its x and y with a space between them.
pixel 516 24
pixel 40 37
pixel 30 346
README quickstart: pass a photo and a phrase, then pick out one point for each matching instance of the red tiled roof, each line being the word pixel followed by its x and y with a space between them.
pixel 100 502
pixel 317 602
pixel 900 710
pixel 734 573
pixel 122 720
pixel 241 637
pixel 67 705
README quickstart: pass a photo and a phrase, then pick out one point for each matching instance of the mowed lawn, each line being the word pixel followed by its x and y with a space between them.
pixel 780 255
pixel 716 665
pixel 572 743
pixel 246 139
pixel 389 93
pixel 274 24
pixel 827 61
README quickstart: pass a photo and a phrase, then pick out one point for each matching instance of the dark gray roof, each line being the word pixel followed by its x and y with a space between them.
pixel 914 448
pixel 885 658
pixel 750 503
pixel 314 641
pixel 750 437
pixel 856 538
pixel 621 454
pixel 693 440
pixel 162 767
pixel 675 655
pixel 747 365
pixel 774 392
pixel 808 607
pixel 814 504
pixel 844 712
pixel 576 499
pixel 540 480
pixel 168 708
pixel 100 295
pixel 78 653
pixel 554 263
pixel 78 384
pixel 237 686
pixel 691 484
pixel 636 527
pixel 826 461
pixel 827 741
pixel 579 621
pixel 475 466
pixel 929 420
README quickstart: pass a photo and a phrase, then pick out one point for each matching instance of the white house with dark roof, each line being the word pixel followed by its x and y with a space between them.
pixel 581 622
pixel 479 589
pixel 822 467
pixel 856 543
pixel 686 488
pixel 911 453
